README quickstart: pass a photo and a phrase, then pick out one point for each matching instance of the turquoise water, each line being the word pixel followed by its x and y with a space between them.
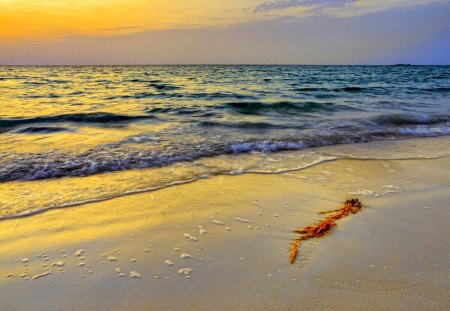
pixel 80 121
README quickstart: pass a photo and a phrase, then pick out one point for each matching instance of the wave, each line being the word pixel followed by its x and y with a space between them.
pixel 433 89
pixel 248 125
pixel 163 87
pixel 312 89
pixel 349 89
pixel 121 156
pixel 95 117
pixel 160 93
pixel 409 119
pixel 41 130
pixel 137 81
pixel 220 95
pixel 178 111
pixel 284 107
pixel 36 96
pixel 355 89
pixel 267 146
pixel 426 131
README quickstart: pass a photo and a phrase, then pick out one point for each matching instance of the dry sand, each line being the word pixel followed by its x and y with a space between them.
pixel 222 244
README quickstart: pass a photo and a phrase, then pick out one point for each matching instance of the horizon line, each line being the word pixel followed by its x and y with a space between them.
pixel 212 64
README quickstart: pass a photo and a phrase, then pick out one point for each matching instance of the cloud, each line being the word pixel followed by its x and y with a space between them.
pixel 284 4
pixel 413 34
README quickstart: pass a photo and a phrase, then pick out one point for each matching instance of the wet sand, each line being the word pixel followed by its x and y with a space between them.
pixel 222 243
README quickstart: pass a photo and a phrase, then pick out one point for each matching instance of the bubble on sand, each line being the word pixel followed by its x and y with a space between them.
pixel 365 192
pixel 217 222
pixel 79 252
pixel 156 276
pixel 133 260
pixel 168 262
pixel 242 258
pixel 9 275
pixel 250 227
pixel 146 250
pixel 389 192
pixel 189 237
pixel 81 264
pixel 228 229
pixel 112 258
pixel 391 187
pixel 58 263
pixel 177 249
pixel 135 275
pixel 275 215
pixel 37 276
pixel 185 271
pixel 243 220
pixel 122 275
pixel 25 260
pixel 203 231
pixel 185 256
pixel 426 207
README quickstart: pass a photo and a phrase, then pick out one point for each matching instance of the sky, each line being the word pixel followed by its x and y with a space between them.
pixel 85 32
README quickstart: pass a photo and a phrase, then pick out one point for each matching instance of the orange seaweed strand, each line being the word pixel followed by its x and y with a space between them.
pixel 324 226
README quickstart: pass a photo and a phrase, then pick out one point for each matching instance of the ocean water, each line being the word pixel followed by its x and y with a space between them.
pixel 74 134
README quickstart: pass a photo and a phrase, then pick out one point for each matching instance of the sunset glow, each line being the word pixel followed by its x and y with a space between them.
pixel 273 28
pixel 45 19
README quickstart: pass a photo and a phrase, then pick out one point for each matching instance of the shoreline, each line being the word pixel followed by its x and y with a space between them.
pixel 388 256
pixel 32 189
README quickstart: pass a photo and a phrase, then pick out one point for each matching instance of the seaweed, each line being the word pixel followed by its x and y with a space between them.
pixel 324 226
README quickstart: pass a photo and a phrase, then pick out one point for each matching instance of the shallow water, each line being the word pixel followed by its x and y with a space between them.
pixel 179 123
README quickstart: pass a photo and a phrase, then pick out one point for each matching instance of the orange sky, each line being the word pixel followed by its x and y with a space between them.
pixel 43 19
pixel 52 19
pixel 223 31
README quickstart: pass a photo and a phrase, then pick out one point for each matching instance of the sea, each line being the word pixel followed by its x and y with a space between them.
pixel 76 134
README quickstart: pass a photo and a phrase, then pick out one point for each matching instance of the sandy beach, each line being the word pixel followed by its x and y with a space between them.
pixel 252 155
pixel 222 243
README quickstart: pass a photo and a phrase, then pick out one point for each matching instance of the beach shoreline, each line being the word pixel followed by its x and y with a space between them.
pixel 135 252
